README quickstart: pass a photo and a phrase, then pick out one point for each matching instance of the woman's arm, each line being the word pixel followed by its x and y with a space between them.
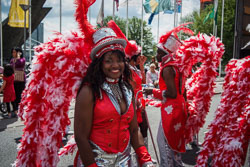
pixel 3 86
pixel 83 124
pixel 148 78
pixel 136 136
pixel 142 62
pixel 138 144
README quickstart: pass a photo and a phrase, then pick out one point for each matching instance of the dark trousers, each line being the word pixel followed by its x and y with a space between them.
pixel 19 87
pixel 13 105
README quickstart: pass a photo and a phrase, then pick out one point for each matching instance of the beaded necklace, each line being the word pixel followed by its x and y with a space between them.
pixel 115 88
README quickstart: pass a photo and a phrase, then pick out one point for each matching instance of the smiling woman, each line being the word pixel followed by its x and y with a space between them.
pixel 105 122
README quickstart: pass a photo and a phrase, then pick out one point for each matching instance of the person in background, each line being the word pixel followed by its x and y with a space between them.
pixel 18 64
pixel 153 61
pixel 152 76
pixel 8 90
pixel 139 78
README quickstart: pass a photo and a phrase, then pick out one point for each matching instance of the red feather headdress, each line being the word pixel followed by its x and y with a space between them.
pixel 132 48
pixel 170 43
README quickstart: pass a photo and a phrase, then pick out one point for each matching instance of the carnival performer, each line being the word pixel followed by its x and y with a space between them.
pixel 139 78
pixel 177 59
pixel 105 123
pixel 173 111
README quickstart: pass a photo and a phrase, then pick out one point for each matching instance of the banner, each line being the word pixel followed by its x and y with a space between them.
pixel 212 14
pixel 100 17
pixel 178 8
pixel 16 14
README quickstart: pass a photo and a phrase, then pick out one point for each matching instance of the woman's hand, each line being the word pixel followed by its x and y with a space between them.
pixel 19 55
pixel 143 60
pixel 147 91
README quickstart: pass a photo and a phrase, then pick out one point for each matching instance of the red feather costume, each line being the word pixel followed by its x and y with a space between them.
pixel 57 71
pixel 229 133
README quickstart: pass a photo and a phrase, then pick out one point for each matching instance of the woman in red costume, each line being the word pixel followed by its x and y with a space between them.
pixel 138 78
pixel 105 122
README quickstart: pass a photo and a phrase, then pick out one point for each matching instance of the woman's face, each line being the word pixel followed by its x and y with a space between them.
pixel 14 53
pixel 113 65
pixel 152 68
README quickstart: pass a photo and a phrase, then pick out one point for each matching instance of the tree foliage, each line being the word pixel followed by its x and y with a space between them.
pixel 134 33
pixel 228 29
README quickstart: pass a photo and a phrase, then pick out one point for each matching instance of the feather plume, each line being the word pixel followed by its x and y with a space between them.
pixel 86 28
pixel 132 48
pixel 182 27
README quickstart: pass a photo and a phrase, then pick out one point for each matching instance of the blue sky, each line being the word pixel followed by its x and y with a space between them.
pixel 51 22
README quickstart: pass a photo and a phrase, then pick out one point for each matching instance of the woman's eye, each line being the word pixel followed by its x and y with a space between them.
pixel 108 61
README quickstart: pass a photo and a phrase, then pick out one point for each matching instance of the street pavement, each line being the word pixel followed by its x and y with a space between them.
pixel 11 132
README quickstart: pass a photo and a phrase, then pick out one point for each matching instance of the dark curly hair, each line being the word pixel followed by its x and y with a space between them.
pixel 8 70
pixel 95 76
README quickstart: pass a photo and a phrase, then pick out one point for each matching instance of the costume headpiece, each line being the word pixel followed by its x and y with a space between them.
pixel 170 43
pixel 105 40
pixel 97 42
pixel 132 48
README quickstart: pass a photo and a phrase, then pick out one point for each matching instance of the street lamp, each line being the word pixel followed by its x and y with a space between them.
pixel 25 8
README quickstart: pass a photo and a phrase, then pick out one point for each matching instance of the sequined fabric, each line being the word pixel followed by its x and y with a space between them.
pixel 104 159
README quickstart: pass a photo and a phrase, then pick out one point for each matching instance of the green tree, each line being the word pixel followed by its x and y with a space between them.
pixel 229 23
pixel 134 33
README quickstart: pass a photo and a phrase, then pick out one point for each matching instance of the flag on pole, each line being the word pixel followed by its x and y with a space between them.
pixel 212 14
pixel 100 17
pixel 117 4
pixel 171 10
pixel 156 6
pixel 16 14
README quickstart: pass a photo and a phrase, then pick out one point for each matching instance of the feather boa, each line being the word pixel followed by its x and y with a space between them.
pixel 70 147
pixel 228 136
pixel 200 87
pixel 57 71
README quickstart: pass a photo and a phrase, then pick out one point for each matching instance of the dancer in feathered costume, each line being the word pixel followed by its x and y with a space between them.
pixel 227 139
pixel 57 71
pixel 176 57
pixel 139 78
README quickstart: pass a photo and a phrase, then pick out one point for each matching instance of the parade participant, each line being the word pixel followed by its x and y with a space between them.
pixel 138 78
pixel 109 125
pixel 105 122
pixel 176 64
pixel 173 111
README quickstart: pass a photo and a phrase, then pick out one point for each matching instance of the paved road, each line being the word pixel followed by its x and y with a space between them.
pixel 11 131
